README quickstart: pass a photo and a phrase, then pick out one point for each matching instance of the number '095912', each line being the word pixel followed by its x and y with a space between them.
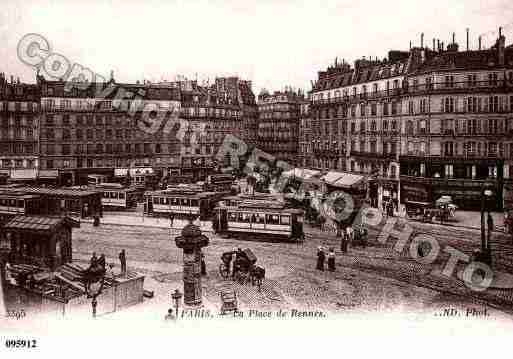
pixel 21 343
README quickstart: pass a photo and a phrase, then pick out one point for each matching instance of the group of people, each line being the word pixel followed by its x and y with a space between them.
pixel 97 263
pixel 240 263
pixel 321 259
pixel 347 235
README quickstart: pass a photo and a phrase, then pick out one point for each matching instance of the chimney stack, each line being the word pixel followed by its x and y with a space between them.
pixel 12 79
pixel 410 45
pixel 453 37
pixel 467 38
pixel 422 40
pixel 438 45
pixel 479 42
pixel 434 49
pixel 500 31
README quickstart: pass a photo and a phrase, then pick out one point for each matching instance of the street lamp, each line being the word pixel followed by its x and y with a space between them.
pixel 95 280
pixel 176 296
pixel 486 195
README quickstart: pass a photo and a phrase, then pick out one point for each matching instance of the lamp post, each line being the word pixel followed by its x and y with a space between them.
pixel 176 296
pixel 95 280
pixel 486 194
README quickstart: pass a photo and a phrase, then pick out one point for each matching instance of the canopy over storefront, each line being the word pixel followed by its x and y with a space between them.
pixel 301 173
pixel 343 179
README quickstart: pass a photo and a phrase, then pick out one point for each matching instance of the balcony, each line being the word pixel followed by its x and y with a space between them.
pixel 451 182
pixel 376 155
pixel 425 89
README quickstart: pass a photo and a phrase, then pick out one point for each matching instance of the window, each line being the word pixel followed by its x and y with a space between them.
pixel 385 109
pixel 448 104
pixel 394 108
pixel 492 79
pixel 472 80
pixel 374 109
pixel 411 110
pixel 50 135
pixel 449 81
pixel 49 120
pixel 89 134
pixel 66 134
pixel 285 220
pixel 65 149
pixel 423 106
pixel 272 219
pixel 422 126
pixel 65 120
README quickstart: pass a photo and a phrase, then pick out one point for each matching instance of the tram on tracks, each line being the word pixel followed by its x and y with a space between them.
pixel 117 196
pixel 260 219
pixel 219 182
pixel 19 203
pixel 181 202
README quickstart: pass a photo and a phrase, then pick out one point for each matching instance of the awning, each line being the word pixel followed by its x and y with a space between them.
pixel 301 173
pixel 24 174
pixel 48 174
pixel 342 179
pixel 39 223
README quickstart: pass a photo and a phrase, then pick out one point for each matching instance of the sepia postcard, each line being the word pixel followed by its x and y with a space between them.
pixel 259 178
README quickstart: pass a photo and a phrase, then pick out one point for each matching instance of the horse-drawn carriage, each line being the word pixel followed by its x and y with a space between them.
pixel 244 269
pixel 443 209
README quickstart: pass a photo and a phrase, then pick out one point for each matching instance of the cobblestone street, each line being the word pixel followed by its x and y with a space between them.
pixel 374 279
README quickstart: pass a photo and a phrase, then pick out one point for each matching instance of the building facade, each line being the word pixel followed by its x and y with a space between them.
pixel 278 125
pixel 422 123
pixel 174 127
pixel 98 128
pixel 208 114
pixel 19 121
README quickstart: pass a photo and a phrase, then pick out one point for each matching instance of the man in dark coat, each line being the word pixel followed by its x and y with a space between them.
pixel 203 265
pixel 94 261
pixel 321 257
pixel 331 260
pixel 101 261
pixel 122 260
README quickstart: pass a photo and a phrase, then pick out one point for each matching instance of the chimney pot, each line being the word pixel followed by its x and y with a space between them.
pixel 422 40
pixel 467 38
pixel 479 43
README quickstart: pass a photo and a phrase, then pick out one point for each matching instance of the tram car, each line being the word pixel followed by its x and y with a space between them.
pixel 115 195
pixel 180 202
pixel 259 219
pixel 12 204
pixel 219 182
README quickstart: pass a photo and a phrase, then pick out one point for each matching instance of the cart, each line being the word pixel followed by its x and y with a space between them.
pixel 228 301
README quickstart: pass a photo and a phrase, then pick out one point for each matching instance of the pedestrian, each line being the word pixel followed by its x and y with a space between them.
pixel 344 241
pixel 331 260
pixel 321 257
pixel 171 219
pixel 101 261
pixel 350 234
pixel 122 260
pixel 203 265
pixel 94 261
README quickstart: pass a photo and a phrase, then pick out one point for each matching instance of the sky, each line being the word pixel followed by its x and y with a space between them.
pixel 273 43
